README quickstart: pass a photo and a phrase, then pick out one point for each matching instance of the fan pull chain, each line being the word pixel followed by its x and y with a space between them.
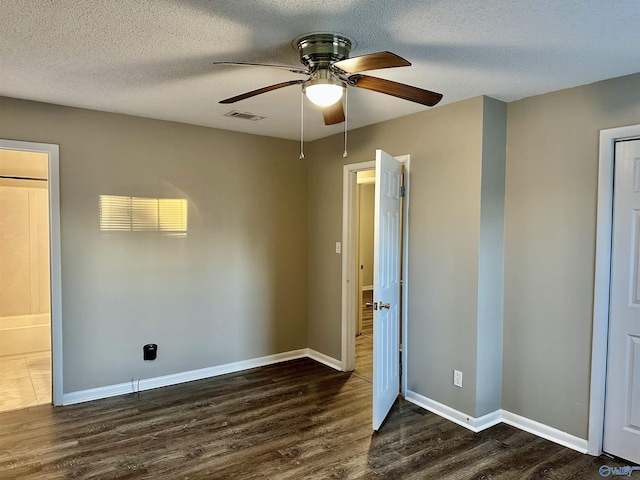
pixel 346 115
pixel 301 124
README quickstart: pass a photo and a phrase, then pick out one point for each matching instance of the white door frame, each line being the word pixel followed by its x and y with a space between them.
pixel 52 152
pixel 602 282
pixel 350 261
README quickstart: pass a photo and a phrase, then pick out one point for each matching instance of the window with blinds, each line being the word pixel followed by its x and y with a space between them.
pixel 165 216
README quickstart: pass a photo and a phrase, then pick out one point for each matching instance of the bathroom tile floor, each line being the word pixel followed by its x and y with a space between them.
pixel 25 381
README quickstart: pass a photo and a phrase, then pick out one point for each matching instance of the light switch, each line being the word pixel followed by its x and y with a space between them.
pixel 338 247
pixel 457 378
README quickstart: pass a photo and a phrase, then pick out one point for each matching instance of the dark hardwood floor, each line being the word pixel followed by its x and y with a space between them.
pixel 364 341
pixel 364 358
pixel 367 313
pixel 295 420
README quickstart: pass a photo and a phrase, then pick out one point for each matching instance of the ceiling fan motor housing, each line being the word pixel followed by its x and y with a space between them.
pixel 318 50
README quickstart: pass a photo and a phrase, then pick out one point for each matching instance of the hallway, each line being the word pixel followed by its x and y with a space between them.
pixel 364 341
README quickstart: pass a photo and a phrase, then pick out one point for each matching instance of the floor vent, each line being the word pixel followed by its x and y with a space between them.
pixel 244 115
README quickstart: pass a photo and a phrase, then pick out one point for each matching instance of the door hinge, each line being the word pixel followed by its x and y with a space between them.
pixel 402 190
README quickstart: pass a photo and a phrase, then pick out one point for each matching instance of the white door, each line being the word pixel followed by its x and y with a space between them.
pixel 386 281
pixel 622 410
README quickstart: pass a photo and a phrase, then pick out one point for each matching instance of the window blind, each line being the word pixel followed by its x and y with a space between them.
pixel 138 214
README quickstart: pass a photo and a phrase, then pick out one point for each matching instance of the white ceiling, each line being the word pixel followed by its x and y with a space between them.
pixel 153 58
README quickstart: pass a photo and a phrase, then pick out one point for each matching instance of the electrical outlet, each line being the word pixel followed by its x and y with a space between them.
pixel 338 247
pixel 457 378
pixel 150 351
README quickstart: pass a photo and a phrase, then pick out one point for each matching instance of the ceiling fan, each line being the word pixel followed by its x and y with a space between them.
pixel 329 69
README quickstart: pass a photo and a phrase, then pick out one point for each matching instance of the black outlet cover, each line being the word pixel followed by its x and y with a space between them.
pixel 150 351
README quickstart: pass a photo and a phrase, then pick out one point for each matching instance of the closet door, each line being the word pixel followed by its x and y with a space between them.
pixel 622 409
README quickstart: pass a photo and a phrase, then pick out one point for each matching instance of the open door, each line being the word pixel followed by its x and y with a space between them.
pixel 386 281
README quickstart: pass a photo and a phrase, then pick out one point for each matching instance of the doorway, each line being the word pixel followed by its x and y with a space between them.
pixel 351 291
pixel 622 405
pixel 25 320
pixel 30 360
pixel 365 181
pixel 614 412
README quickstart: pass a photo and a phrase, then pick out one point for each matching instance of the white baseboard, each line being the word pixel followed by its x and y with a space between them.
pixel 97 393
pixel 460 418
pixel 545 431
pixel 467 421
pixel 325 359
pixel 499 416
pixel 488 420
pixel 189 376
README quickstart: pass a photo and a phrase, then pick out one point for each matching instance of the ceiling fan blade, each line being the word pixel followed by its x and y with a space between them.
pixel 333 113
pixel 400 90
pixel 269 65
pixel 372 61
pixel 259 91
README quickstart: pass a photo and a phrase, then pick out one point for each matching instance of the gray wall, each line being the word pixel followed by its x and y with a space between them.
pixel 550 222
pixel 235 288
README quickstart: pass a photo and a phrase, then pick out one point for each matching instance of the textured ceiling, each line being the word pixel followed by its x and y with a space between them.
pixel 153 58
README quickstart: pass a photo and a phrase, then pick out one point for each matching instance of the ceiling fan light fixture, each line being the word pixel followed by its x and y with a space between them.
pixel 323 91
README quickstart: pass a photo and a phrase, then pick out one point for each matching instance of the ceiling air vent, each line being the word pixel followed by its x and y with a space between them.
pixel 244 115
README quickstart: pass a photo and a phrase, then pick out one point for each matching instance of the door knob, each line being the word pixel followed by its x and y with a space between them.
pixel 384 305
